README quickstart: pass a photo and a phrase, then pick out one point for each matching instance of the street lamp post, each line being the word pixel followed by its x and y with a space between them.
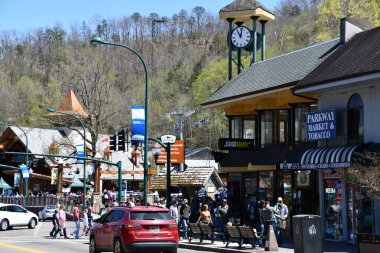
pixel 52 110
pixel 60 175
pixel 25 191
pixel 98 40
pixel 165 142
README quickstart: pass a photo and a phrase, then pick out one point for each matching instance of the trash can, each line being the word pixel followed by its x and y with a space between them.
pixel 307 234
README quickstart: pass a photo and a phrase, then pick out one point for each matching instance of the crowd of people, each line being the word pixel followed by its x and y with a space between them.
pixel 59 222
pixel 218 212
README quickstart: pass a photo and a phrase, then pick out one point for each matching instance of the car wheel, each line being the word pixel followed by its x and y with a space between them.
pixel 118 247
pixel 4 224
pixel 93 246
pixel 32 223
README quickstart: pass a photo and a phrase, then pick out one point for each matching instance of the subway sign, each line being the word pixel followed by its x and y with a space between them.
pixel 236 144
pixel 321 125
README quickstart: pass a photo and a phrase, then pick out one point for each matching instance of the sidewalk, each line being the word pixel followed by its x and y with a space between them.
pixel 218 246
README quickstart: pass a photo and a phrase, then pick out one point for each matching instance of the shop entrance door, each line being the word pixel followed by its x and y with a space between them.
pixel 360 215
pixel 303 202
pixel 333 208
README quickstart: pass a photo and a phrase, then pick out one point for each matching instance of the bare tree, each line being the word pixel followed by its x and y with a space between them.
pixel 365 173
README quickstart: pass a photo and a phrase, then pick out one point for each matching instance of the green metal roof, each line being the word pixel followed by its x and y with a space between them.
pixel 274 73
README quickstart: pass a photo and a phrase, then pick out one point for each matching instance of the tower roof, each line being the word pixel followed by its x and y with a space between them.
pixel 70 104
pixel 243 10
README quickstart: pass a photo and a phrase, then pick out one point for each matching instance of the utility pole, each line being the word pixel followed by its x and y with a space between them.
pixel 180 117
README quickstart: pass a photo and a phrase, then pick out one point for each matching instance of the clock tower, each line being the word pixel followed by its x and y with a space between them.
pixel 242 17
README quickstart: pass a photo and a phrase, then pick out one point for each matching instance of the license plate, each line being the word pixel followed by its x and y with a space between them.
pixel 154 229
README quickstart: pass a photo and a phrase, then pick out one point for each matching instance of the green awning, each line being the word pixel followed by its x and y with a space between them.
pixel 4 185
pixel 77 183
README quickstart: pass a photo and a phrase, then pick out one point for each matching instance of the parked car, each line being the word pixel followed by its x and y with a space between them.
pixel 132 229
pixel 12 215
pixel 46 212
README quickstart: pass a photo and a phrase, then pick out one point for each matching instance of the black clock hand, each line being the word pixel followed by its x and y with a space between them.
pixel 241 32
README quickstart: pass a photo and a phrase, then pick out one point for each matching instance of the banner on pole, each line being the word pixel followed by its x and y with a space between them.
pixel 24 171
pixel 138 123
pixel 80 152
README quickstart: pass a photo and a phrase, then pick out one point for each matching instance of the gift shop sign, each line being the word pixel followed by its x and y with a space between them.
pixel 321 125
pixel 177 153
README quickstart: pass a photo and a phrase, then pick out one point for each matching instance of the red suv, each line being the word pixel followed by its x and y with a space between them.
pixel 132 229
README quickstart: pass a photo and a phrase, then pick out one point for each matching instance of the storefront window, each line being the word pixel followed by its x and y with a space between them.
pixel 265 185
pixel 300 121
pixel 283 126
pixel 236 127
pixel 333 208
pixel 242 127
pixel 355 120
pixel 249 128
pixel 267 128
pixel 251 185
pixel 360 216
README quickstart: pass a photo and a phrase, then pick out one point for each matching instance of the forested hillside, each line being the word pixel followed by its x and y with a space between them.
pixel 186 56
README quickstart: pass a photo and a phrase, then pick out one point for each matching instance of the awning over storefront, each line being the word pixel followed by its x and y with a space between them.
pixel 328 157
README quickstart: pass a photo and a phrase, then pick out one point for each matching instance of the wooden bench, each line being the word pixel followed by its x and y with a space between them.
pixel 201 231
pixel 194 231
pixel 241 235
pixel 248 235
pixel 233 235
pixel 207 230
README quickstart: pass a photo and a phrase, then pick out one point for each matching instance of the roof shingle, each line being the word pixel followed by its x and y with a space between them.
pixel 359 56
pixel 279 71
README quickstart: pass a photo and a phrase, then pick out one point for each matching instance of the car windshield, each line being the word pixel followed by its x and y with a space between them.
pixel 151 216
pixel 50 207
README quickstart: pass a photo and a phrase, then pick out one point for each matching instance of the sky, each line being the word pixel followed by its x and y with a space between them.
pixel 27 15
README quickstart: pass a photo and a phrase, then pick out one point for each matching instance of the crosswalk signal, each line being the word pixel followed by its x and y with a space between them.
pixel 2 151
pixel 121 140
pixel 113 142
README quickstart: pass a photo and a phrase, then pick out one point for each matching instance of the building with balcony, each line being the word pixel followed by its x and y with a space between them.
pixel 269 152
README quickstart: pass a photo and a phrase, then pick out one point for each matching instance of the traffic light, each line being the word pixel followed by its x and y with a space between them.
pixel 2 151
pixel 113 142
pixel 34 164
pixel 121 140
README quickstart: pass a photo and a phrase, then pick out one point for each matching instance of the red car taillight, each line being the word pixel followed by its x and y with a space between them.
pixel 133 226
pixel 172 225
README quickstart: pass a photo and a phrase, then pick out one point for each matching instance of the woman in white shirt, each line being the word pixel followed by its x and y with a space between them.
pixel 85 222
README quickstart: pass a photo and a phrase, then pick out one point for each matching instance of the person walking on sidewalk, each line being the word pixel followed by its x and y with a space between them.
pixel 62 222
pixel 185 212
pixel 205 216
pixel 55 221
pixel 174 211
pixel 76 216
pixel 89 215
pixel 268 218
pixel 281 212
pixel 85 223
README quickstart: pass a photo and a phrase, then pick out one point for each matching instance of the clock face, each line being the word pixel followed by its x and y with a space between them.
pixel 241 37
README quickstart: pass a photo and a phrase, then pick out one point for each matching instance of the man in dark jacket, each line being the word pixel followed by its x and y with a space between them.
pixel 268 218
pixel 55 221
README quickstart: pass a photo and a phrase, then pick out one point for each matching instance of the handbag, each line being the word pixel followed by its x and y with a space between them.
pixel 282 224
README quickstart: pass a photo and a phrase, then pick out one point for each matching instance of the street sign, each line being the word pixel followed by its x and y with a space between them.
pixel 177 153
